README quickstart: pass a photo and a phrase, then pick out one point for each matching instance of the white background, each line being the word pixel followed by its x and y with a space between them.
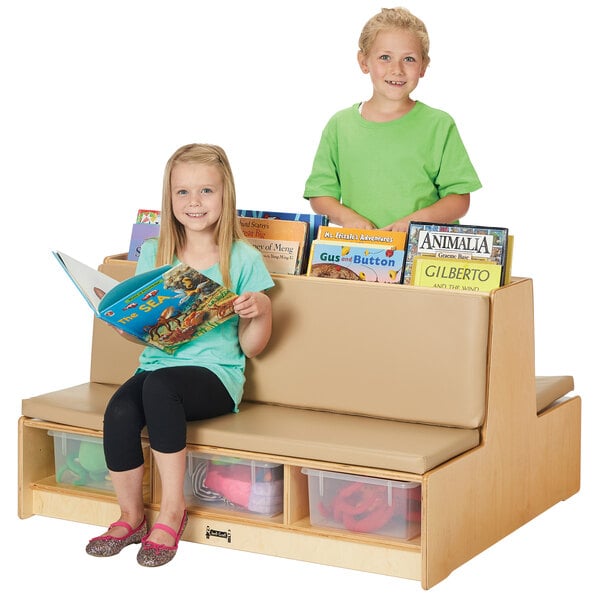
pixel 97 95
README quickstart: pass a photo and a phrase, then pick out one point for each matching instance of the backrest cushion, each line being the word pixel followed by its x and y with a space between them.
pixel 382 350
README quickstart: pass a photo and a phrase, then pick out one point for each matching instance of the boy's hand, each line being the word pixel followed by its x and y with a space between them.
pixel 401 225
pixel 356 221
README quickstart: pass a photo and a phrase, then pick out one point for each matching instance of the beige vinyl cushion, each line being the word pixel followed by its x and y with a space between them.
pixel 297 433
pixel 380 350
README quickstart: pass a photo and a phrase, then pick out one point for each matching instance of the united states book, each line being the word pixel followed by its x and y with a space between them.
pixel 465 242
pixel 282 243
pixel 313 220
pixel 164 307
pixel 355 261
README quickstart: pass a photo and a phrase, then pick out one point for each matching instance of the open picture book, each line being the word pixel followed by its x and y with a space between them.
pixel 165 307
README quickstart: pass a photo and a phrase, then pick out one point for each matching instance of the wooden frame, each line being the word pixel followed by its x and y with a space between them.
pixel 526 462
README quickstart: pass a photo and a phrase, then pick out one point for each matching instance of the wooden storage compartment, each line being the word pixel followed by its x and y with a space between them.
pixel 42 441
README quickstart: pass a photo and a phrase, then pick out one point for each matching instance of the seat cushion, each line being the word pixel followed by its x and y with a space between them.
pixel 279 430
pixel 296 432
pixel 549 389
pixel 339 438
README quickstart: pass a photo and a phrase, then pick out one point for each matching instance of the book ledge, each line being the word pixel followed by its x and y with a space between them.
pixel 348 445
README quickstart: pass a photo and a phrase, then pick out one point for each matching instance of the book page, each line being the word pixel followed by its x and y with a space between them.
pixel 91 283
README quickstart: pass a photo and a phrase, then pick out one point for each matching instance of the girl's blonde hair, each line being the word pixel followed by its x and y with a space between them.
pixel 172 238
pixel 394 18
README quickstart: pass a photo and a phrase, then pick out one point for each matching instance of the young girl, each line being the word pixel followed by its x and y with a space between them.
pixel 203 378
pixel 391 159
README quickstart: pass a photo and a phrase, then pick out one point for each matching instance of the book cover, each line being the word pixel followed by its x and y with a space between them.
pixel 164 307
pixel 282 243
pixel 355 261
pixel 148 216
pixel 397 239
pixel 140 232
pixel 466 242
pixel 455 273
pixel 314 221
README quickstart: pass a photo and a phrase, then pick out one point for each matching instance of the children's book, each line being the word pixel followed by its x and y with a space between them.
pixel 355 261
pixel 455 273
pixel 165 307
pixel 140 232
pixel 151 217
pixel 313 220
pixel 464 242
pixel 342 235
pixel 282 243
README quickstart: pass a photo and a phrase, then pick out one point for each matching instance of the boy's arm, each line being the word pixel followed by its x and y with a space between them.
pixel 445 210
pixel 338 213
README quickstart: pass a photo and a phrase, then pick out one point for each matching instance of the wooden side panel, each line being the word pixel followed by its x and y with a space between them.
pixel 525 463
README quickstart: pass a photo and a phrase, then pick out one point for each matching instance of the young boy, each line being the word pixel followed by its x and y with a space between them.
pixel 391 159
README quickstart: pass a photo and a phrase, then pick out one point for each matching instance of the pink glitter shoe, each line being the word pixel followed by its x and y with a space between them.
pixel 109 545
pixel 152 554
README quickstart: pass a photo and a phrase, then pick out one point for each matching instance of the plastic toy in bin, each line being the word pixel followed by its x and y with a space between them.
pixel 85 467
pixel 364 507
pixel 237 483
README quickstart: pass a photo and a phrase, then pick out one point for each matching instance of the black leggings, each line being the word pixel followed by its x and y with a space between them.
pixel 163 401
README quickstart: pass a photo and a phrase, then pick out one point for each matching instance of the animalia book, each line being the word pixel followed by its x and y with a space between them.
pixel 164 307
pixel 464 242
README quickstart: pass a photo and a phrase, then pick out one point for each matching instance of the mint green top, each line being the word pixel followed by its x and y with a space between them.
pixel 218 349
pixel 385 171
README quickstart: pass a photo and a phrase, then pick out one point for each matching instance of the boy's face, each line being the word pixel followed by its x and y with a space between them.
pixel 394 63
pixel 196 195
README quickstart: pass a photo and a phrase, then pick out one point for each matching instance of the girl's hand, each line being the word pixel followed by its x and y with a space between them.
pixel 252 304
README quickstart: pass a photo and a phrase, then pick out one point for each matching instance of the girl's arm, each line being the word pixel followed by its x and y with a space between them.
pixel 339 214
pixel 445 210
pixel 254 310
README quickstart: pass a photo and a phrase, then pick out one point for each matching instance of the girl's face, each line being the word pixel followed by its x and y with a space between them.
pixel 394 63
pixel 196 195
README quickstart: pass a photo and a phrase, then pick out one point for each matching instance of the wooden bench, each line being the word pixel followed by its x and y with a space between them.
pixel 425 386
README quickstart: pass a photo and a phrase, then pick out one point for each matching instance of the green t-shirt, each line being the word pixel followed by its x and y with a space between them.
pixel 218 349
pixel 385 171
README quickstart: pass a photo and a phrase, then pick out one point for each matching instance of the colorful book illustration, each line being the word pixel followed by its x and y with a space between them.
pixel 355 261
pixel 465 242
pixel 343 235
pixel 455 273
pixel 165 307
pixel 282 243
pixel 151 217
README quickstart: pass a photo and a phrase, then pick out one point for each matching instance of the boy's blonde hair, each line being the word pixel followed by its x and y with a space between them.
pixel 172 239
pixel 394 18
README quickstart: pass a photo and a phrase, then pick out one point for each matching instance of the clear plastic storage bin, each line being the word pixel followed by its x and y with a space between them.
pixel 79 460
pixel 364 504
pixel 234 484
